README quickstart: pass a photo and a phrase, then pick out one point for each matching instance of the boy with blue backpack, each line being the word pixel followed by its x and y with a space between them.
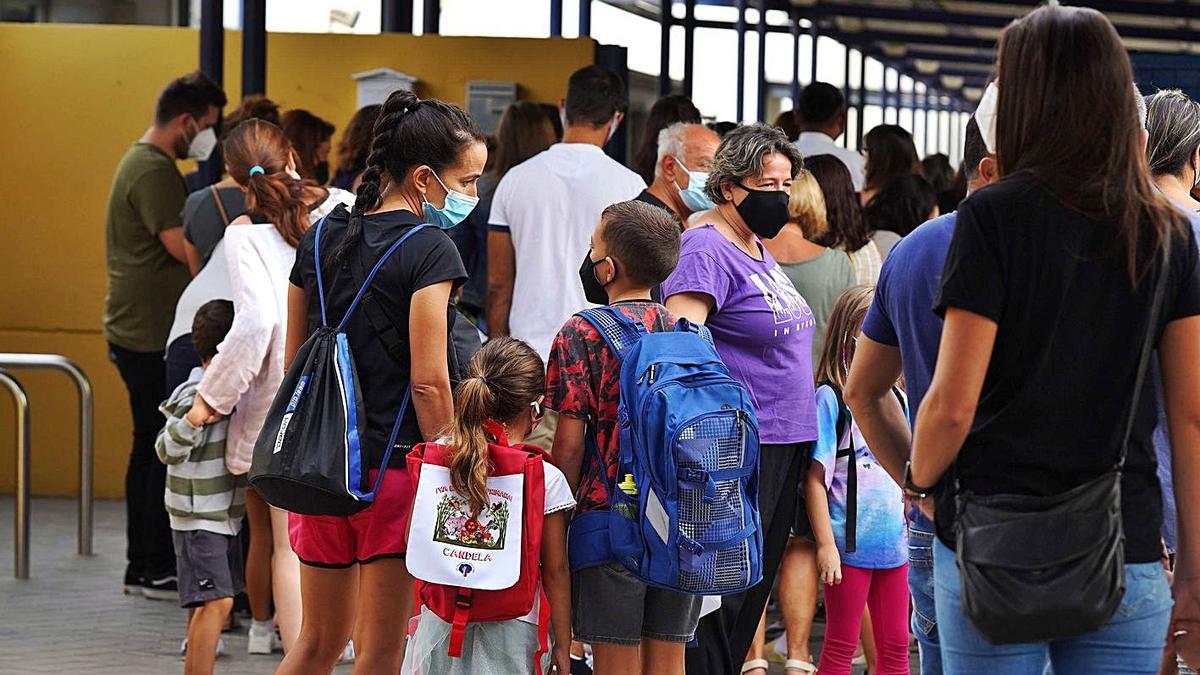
pixel 642 550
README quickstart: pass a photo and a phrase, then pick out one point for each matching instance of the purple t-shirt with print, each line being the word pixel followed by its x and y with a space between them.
pixel 763 329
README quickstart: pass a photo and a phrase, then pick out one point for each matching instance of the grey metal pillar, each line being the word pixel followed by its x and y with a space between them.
pixel 556 12
pixel 664 47
pixel 812 33
pixel 212 64
pixel 585 18
pixel 795 19
pixel 929 115
pixel 862 99
pixel 432 20
pixel 689 45
pixel 762 61
pixel 397 16
pixel 740 27
pixel 254 47
pixel 846 94
pixel 21 512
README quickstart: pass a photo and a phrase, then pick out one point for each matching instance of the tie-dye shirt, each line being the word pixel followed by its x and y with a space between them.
pixel 882 542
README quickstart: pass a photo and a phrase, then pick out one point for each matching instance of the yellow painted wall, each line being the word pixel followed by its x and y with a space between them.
pixel 75 97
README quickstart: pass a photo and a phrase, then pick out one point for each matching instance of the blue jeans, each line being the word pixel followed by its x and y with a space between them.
pixel 920 584
pixel 1131 643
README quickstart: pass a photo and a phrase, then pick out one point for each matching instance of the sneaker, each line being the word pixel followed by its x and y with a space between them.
pixel 220 648
pixel 133 583
pixel 163 588
pixel 263 638
pixel 347 653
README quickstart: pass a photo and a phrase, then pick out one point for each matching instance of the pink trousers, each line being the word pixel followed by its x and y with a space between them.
pixel 885 592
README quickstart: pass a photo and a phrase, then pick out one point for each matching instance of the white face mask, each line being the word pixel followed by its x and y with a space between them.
pixel 985 117
pixel 201 147
pixel 612 128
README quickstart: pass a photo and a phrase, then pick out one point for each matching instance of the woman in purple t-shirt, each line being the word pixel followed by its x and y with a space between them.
pixel 763 330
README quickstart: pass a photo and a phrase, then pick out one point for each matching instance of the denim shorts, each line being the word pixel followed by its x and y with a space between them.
pixel 614 607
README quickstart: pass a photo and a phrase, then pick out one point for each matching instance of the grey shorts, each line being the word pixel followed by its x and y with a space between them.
pixel 209 566
pixel 614 607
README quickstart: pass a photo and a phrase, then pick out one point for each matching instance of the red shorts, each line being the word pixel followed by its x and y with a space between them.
pixel 377 531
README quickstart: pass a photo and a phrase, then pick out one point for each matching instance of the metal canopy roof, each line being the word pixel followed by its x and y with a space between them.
pixel 950 44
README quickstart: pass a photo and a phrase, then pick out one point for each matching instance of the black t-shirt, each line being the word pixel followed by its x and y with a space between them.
pixel 646 196
pixel 1070 326
pixel 425 259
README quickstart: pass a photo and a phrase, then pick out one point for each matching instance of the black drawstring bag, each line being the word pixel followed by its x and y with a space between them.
pixel 1035 569
pixel 309 457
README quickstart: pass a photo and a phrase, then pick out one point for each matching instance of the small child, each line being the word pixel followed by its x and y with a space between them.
pixel 204 501
pixel 857 517
pixel 504 385
pixel 635 246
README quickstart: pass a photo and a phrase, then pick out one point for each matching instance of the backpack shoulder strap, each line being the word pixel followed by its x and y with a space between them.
pixel 375 270
pixel 845 448
pixel 619 331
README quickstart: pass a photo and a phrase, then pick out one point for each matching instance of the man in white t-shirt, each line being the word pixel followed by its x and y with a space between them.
pixel 544 210
pixel 822 112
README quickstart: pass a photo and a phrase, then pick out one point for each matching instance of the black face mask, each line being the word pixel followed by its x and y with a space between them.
pixel 593 290
pixel 765 211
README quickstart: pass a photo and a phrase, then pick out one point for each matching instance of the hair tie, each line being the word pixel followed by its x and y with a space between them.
pixel 485 382
pixel 256 169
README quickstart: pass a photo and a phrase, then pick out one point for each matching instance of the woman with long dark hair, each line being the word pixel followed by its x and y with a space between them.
pixel 354 147
pixel 311 138
pixel 259 249
pixel 1033 443
pixel 891 154
pixel 425 159
pixel 848 230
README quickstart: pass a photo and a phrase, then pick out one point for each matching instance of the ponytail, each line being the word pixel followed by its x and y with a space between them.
pixel 469 459
pixel 503 379
pixel 257 154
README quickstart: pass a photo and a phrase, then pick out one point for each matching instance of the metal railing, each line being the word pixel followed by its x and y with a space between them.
pixel 21 519
pixel 86 432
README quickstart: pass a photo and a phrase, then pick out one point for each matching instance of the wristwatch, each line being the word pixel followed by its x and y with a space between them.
pixel 912 489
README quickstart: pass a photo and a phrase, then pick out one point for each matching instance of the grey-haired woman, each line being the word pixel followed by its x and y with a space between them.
pixel 763 330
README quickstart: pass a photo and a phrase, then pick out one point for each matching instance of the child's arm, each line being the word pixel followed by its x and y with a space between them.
pixel 556 579
pixel 829 562
pixel 568 449
pixel 178 437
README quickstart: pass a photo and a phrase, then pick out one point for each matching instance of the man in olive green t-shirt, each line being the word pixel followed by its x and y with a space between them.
pixel 146 274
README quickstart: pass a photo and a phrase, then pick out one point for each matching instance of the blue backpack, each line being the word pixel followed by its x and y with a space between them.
pixel 688 521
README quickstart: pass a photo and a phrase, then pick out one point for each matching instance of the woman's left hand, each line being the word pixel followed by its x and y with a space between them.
pixel 202 414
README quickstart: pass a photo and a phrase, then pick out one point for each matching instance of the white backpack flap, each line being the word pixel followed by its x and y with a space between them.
pixel 447 546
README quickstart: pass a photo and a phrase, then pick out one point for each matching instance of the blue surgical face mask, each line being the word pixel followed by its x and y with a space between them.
pixel 458 206
pixel 694 197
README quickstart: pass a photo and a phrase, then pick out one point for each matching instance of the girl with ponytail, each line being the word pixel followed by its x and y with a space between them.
pixel 505 384
pixel 259 249
pixel 425 158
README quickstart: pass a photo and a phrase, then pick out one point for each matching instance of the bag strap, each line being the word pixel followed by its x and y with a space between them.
pixel 463 602
pixel 1156 306
pixel 619 331
pixel 375 270
pixel 220 204
pixel 391 444
pixel 845 448
pixel 544 610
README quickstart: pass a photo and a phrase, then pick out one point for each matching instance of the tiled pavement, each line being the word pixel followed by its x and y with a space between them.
pixel 70 616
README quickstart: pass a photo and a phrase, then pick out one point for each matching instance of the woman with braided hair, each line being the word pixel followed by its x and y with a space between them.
pixel 425 159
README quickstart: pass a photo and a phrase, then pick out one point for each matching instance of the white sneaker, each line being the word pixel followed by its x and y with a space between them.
pixel 263 638
pixel 347 653
pixel 220 648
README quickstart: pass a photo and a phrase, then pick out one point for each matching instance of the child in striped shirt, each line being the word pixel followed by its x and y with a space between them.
pixel 204 501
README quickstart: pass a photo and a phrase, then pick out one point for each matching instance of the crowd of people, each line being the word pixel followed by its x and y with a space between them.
pixel 971 393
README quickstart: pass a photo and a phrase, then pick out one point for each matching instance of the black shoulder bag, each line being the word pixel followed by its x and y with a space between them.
pixel 1035 569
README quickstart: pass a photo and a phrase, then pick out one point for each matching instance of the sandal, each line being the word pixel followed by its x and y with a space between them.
pixel 799 666
pixel 756 664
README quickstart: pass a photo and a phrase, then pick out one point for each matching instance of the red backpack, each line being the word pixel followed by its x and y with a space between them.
pixel 465 567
